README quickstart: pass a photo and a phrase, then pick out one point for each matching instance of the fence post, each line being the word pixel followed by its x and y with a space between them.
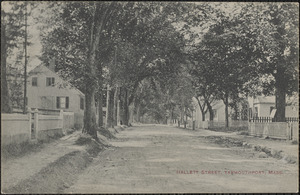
pixel 291 131
pixel 29 120
pixel 61 116
pixel 36 123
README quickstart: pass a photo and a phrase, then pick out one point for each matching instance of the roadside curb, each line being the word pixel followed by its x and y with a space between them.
pixel 264 151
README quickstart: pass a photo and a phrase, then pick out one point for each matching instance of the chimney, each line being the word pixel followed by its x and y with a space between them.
pixel 52 64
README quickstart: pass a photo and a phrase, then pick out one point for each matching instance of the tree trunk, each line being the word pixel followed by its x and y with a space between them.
pixel 5 99
pixel 131 113
pixel 126 108
pixel 107 107
pixel 185 120
pixel 100 108
pixel 25 63
pixel 111 109
pixel 121 97
pixel 115 109
pixel 280 94
pixel 226 110
pixel 201 109
pixel 90 126
pixel 181 116
pixel 210 110
pixel 138 113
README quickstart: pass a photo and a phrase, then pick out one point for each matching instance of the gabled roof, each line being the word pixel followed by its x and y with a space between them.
pixel 217 104
pixel 265 99
pixel 270 99
pixel 42 69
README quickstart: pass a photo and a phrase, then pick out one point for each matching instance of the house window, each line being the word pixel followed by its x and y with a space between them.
pixel 62 102
pixel 215 113
pixel 34 81
pixel 50 81
pixel 81 103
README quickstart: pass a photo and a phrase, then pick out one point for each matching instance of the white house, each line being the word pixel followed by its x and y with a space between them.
pixel 262 106
pixel 46 90
pixel 219 114
pixel 219 119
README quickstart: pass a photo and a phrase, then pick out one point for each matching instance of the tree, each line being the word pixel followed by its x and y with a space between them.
pixel 275 27
pixel 146 46
pixel 76 43
pixel 194 24
pixel 5 100
pixel 202 84
pixel 225 59
pixel 12 43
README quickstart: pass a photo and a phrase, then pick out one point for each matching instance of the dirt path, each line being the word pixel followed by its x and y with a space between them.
pixel 166 159
pixel 16 170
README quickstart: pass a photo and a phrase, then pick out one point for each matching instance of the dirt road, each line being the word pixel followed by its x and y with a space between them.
pixel 167 159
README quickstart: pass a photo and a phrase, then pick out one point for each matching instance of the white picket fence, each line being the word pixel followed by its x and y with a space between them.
pixel 18 128
pixel 280 130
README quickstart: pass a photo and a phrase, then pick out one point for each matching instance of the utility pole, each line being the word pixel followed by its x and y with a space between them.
pixel 25 68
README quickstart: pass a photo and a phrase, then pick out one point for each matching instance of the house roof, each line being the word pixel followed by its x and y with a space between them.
pixel 217 104
pixel 39 69
pixel 42 68
pixel 265 99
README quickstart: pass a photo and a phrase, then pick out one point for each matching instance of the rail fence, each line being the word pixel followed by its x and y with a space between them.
pixel 270 119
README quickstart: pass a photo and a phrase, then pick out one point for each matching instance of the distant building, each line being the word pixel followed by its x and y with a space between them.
pixel 46 90
pixel 219 119
pixel 218 109
pixel 262 106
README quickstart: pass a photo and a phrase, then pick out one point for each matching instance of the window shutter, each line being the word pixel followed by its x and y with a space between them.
pixel 53 79
pixel 67 102
pixel 57 102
